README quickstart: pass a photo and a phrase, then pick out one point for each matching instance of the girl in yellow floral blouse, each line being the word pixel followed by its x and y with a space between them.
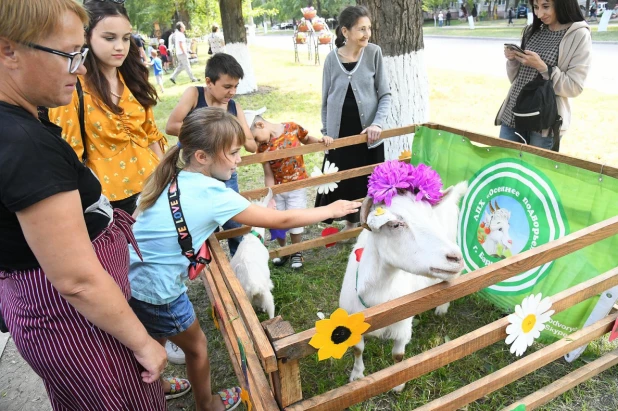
pixel 122 144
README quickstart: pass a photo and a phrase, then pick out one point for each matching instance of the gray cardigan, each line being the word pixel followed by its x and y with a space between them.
pixel 369 84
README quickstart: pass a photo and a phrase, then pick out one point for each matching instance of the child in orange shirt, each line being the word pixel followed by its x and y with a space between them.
pixel 278 136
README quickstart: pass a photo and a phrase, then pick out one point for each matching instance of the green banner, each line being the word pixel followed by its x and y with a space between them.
pixel 517 201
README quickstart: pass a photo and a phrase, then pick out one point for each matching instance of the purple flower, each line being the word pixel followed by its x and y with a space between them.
pixel 427 184
pixel 392 176
pixel 387 178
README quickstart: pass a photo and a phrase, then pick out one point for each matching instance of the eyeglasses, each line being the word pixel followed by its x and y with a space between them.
pixel 75 59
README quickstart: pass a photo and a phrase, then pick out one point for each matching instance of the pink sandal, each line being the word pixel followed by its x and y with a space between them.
pixel 230 397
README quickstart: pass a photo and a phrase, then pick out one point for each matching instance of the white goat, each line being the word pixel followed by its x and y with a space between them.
pixel 250 264
pixel 497 231
pixel 405 247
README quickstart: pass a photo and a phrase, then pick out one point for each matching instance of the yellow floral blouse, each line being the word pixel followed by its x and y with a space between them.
pixel 118 151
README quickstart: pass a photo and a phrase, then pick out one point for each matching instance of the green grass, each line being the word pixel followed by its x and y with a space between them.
pixel 291 91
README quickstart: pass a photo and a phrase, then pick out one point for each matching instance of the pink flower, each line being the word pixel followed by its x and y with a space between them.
pixel 394 176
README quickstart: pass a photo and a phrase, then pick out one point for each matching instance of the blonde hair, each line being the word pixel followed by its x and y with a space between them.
pixel 211 129
pixel 27 21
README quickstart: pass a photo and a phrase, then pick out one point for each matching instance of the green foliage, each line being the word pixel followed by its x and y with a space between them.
pixel 431 6
pixel 201 14
pixel 289 9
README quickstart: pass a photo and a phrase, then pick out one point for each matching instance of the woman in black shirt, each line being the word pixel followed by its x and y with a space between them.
pixel 63 251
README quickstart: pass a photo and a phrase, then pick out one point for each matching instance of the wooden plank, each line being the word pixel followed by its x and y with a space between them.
pixel 229 336
pixel 260 341
pixel 498 142
pixel 411 368
pixel 285 381
pixel 379 316
pixel 316 242
pixel 310 182
pixel 521 368
pixel 558 387
pixel 318 147
pixel 259 389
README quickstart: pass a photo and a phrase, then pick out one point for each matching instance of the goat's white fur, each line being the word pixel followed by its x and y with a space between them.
pixel 411 246
pixel 250 264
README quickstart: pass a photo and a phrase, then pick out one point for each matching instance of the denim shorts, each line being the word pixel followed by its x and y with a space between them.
pixel 167 320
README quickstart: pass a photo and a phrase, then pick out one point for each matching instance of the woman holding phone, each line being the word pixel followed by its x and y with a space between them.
pixel 558 38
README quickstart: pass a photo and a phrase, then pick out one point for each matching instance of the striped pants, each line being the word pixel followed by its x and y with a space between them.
pixel 83 367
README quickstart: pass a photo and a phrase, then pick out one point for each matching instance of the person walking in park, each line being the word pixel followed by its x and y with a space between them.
pixel 593 12
pixel 558 39
pixel 182 53
pixel 216 41
pixel 440 19
pixel 63 251
pixel 191 177
pixel 510 15
pixel 355 100
pixel 475 13
pixel 448 17
pixel 119 140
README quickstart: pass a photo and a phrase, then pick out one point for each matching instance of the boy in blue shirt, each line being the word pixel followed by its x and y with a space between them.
pixel 157 65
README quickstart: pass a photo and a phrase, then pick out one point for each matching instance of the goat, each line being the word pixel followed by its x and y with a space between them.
pixel 405 247
pixel 250 264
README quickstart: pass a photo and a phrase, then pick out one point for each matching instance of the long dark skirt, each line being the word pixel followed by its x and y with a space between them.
pixel 82 366
pixel 347 158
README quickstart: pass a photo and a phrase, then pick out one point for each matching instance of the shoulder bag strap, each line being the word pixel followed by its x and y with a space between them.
pixel 82 126
pixel 184 237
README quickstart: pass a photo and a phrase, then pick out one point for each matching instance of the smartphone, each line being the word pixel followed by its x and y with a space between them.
pixel 513 47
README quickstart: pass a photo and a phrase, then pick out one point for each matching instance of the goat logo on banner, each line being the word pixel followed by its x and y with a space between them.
pixel 510 207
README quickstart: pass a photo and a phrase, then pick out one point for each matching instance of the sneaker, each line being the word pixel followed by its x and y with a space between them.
pixel 174 354
pixel 172 80
pixel 297 260
pixel 280 261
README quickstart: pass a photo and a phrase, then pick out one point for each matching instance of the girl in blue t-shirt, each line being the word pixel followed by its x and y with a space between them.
pixel 208 151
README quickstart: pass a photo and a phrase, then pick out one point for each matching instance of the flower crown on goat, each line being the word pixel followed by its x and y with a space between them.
pixel 395 176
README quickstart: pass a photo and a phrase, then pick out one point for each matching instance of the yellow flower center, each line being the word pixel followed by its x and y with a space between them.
pixel 340 334
pixel 528 324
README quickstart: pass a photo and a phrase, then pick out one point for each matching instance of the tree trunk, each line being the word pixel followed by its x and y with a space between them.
pixel 236 42
pixel 398 30
pixel 587 12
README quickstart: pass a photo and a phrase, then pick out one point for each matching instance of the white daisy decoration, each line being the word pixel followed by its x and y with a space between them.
pixel 329 168
pixel 527 322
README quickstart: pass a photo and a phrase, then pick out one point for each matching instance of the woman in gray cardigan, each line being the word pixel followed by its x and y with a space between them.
pixel 355 100
pixel 558 37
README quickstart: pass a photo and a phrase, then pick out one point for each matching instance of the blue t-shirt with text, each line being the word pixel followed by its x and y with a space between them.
pixel 206 204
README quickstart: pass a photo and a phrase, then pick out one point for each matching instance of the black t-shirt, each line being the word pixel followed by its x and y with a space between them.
pixel 35 163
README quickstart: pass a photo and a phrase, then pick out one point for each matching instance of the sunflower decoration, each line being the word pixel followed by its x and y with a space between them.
pixel 336 334
pixel 527 322
pixel 405 155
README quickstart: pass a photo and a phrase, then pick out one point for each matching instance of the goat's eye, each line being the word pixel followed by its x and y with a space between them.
pixel 500 229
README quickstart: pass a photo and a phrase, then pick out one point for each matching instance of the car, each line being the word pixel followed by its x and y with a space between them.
pixel 275 27
pixel 286 26
pixel 522 10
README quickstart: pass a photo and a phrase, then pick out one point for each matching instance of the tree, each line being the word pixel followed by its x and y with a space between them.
pixel 398 30
pixel 236 41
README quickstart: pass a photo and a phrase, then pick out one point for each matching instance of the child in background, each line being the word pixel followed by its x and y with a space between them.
pixel 190 177
pixel 157 65
pixel 278 136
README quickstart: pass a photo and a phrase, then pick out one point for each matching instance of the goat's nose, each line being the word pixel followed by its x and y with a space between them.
pixel 510 241
pixel 455 258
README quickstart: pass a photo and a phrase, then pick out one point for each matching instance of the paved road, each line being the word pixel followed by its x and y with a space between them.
pixel 484 56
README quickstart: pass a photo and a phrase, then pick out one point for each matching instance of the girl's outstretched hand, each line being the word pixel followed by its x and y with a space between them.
pixel 341 208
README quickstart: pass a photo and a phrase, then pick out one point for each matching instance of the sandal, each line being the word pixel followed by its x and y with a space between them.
pixel 230 397
pixel 179 387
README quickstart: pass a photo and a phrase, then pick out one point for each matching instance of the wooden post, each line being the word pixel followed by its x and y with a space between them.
pixel 286 381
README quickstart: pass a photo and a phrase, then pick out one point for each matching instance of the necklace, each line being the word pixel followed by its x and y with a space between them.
pixel 115 95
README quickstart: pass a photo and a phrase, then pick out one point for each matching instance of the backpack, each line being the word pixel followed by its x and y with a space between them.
pixel 536 108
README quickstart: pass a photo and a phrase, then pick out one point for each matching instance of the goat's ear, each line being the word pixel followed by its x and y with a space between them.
pixel 380 216
pixel 454 193
pixel 267 198
pixel 364 212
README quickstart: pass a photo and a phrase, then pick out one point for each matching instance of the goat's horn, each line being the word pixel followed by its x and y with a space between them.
pixel 491 208
pixel 364 212
pixel 497 206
